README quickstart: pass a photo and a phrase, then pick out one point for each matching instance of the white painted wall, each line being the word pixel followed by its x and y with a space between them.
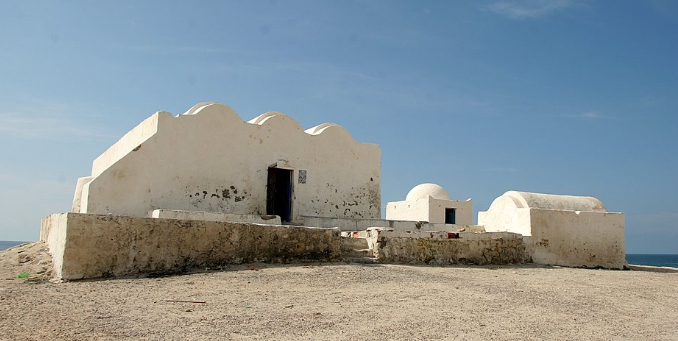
pixel 430 210
pixel 208 159
pixel 506 214
pixel 464 211
pixel 208 216
pixel 560 229
pixel 427 202
pixel 574 238
pixel 352 224
pixel 417 210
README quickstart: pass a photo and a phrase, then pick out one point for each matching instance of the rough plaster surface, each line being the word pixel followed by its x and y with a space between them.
pixel 590 239
pixel 209 159
pixel 91 246
pixel 560 229
pixel 207 216
pixel 448 248
pixel 346 224
pixel 54 237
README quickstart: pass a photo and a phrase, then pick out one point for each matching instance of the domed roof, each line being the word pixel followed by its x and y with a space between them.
pixel 425 190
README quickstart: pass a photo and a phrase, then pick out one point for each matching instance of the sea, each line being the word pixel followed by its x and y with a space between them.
pixel 654 260
pixel 637 259
pixel 6 244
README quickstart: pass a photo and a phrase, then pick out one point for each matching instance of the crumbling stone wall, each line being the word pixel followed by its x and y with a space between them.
pixel 92 246
pixel 449 248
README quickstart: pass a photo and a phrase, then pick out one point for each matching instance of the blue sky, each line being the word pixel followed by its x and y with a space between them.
pixel 481 97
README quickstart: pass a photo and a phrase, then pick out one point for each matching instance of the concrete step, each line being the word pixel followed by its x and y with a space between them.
pixel 360 260
pixel 356 253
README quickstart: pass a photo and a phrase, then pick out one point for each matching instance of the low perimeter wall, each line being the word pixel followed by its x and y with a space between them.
pixel 92 246
pixel 355 224
pixel 442 248
pixel 199 215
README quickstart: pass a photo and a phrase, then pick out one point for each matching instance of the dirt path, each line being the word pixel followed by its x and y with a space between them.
pixel 339 302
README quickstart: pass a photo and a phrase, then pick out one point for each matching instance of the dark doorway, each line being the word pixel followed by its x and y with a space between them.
pixel 279 193
pixel 450 216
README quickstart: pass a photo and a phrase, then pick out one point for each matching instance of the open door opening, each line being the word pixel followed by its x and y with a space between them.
pixel 279 193
pixel 450 216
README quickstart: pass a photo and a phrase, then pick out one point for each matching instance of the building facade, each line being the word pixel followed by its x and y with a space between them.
pixel 209 160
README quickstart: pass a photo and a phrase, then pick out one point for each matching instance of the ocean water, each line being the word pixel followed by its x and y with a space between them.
pixel 6 244
pixel 654 260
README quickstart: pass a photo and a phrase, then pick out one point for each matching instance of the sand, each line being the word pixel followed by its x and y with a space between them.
pixel 338 301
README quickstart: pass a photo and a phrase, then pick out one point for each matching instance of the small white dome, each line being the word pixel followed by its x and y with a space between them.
pixel 425 190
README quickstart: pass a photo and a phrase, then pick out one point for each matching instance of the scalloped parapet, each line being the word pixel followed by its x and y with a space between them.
pixel 196 108
pixel 209 159
pixel 263 117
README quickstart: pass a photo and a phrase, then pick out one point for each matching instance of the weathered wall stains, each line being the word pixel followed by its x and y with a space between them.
pixel 441 249
pixel 217 200
pixel 564 230
pixel 572 238
pixel 206 160
pixel 91 246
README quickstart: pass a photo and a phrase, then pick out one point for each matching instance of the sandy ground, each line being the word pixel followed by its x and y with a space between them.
pixel 338 302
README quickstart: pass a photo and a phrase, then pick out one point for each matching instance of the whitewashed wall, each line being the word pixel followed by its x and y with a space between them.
pixel 560 229
pixel 431 210
pixel 575 238
pixel 209 159
pixel 427 202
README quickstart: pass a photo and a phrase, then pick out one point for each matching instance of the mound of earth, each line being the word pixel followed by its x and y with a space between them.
pixel 26 262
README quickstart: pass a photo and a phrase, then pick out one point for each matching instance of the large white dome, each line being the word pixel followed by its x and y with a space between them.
pixel 425 190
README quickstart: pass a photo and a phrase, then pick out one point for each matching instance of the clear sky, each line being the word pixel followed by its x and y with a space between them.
pixel 481 97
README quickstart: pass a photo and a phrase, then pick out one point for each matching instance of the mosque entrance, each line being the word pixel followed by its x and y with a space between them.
pixel 279 193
